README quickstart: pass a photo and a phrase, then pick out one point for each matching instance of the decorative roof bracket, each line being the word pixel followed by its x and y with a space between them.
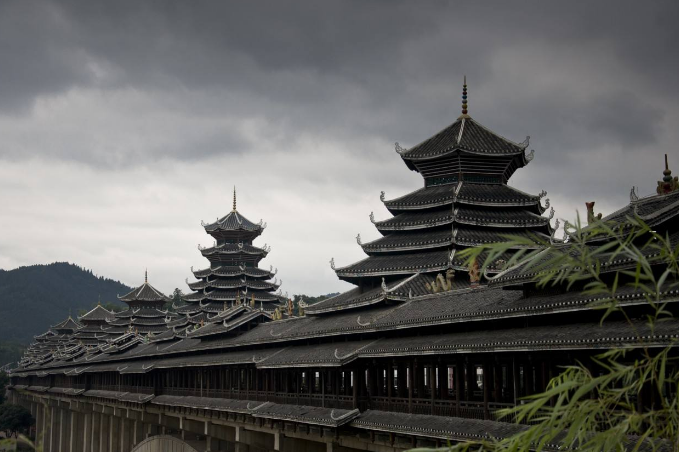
pixel 399 149
pixel 530 156
pixel 633 197
pixel 524 143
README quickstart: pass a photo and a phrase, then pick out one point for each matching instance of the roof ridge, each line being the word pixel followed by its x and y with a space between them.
pixel 519 145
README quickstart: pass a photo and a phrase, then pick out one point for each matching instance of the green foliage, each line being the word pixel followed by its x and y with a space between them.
pixel 176 297
pixel 35 297
pixel 600 411
pixel 15 419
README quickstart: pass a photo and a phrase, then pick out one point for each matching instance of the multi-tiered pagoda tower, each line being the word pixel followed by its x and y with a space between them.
pixel 144 315
pixel 49 343
pixel 465 202
pixel 233 277
pixel 94 323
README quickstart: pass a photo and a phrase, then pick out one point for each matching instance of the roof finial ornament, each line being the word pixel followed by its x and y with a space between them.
pixel 667 184
pixel 99 303
pixel 464 99
pixel 633 197
pixel 146 276
pixel 234 198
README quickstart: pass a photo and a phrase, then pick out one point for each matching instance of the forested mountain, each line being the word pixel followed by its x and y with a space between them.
pixel 35 297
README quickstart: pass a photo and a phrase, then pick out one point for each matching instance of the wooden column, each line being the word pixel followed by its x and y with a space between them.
pixel 410 386
pixel 515 385
pixel 443 381
pixel 432 385
pixel 486 389
pixel 497 382
pixel 355 388
pixel 458 376
pixel 390 381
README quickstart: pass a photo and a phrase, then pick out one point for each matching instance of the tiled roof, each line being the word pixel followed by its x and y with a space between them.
pixel 443 427
pixel 252 272
pixel 409 240
pixel 401 289
pixel 98 313
pixel 68 324
pixel 232 221
pixel 230 295
pixel 387 264
pixel 460 235
pixel 416 220
pixel 145 292
pixel 495 194
pixel 232 248
pixel 143 312
pixel 464 192
pixel 234 283
pixel 464 134
pixel 498 217
pixel 329 417
pixel 653 209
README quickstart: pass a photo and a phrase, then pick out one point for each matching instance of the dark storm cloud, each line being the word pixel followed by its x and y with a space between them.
pixel 347 69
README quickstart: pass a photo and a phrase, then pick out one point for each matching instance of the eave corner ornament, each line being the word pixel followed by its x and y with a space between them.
pixel 553 238
pixel 531 155
pixel 332 263
pixel 399 149
pixel 358 239
pixel 551 213
pixel 384 286
pixel 633 197
pixel 372 217
pixel 524 143
pixel 382 196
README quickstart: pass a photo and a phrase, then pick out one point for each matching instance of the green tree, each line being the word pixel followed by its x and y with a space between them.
pixel 176 297
pixel 15 419
pixel 598 411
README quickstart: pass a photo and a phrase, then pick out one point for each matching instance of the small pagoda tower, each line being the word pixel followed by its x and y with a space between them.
pixel 465 202
pixel 233 277
pixel 94 323
pixel 144 314
pixel 58 337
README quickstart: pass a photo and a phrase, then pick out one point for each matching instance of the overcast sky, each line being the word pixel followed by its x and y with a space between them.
pixel 123 124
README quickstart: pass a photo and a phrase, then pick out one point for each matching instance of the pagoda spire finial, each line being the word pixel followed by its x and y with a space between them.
pixel 234 198
pixel 146 276
pixel 464 99
pixel 99 303
pixel 668 184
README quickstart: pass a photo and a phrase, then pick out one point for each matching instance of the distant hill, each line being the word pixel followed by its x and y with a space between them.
pixel 35 297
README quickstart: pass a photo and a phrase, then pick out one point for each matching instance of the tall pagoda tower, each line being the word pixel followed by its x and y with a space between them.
pixel 465 202
pixel 233 277
pixel 144 315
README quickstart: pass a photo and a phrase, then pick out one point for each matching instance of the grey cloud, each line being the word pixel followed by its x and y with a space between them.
pixel 158 108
